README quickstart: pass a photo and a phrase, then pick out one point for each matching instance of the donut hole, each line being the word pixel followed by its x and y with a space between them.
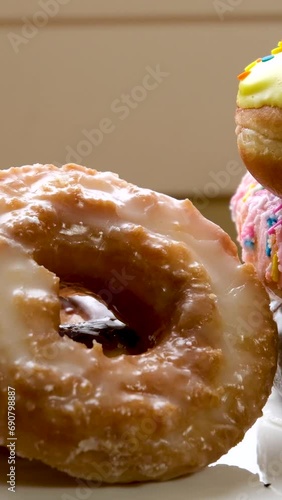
pixel 85 317
pixel 138 275
pixel 78 305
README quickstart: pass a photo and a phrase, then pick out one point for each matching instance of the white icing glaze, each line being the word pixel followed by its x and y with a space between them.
pixel 195 387
pixel 21 279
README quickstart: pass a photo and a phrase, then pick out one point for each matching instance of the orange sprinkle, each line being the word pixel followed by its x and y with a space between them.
pixel 243 75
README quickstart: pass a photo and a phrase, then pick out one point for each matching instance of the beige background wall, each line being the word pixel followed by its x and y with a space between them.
pixel 62 85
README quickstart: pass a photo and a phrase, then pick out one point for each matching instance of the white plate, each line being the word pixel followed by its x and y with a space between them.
pixel 233 477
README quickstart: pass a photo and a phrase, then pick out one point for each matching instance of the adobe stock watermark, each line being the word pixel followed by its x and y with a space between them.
pixel 222 7
pixel 120 109
pixel 47 9
pixel 218 181
pixel 11 439
pixel 132 439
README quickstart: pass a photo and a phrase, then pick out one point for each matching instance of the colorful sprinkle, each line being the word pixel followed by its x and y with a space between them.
pixel 243 75
pixel 276 50
pixel 273 228
pixel 267 58
pixel 248 238
pixel 249 244
pixel 249 191
pixel 278 208
pixel 274 268
pixel 271 221
pixel 268 249
pixel 251 65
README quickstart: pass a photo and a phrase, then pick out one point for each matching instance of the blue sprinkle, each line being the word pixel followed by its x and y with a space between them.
pixel 249 243
pixel 268 250
pixel 271 221
pixel 267 58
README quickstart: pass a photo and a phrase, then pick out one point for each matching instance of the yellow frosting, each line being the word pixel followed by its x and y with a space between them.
pixel 261 82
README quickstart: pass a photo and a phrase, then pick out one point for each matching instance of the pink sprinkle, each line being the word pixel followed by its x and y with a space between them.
pixel 272 229
pixel 278 208
pixel 249 233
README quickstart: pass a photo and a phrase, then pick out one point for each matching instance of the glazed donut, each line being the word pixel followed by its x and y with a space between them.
pixel 166 272
pixel 259 119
